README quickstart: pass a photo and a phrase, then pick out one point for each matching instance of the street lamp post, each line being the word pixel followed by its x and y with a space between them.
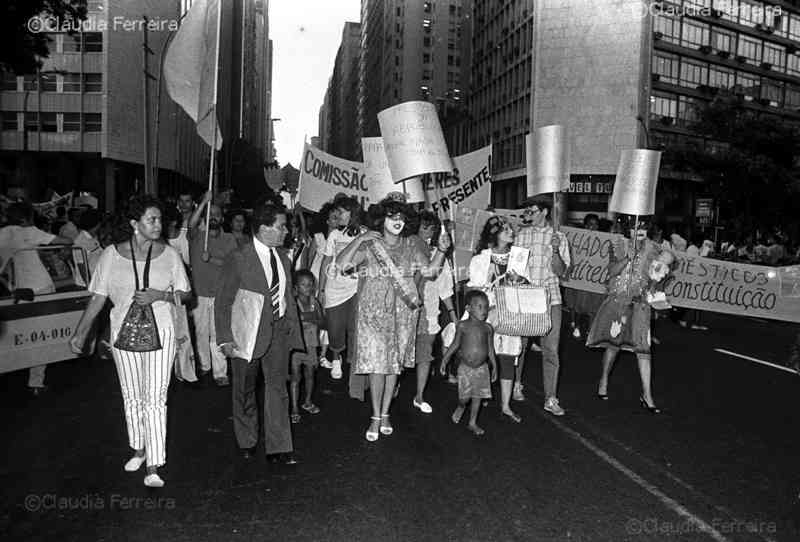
pixel 270 133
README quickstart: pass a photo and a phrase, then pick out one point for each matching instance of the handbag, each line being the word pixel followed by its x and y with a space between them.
pixel 139 332
pixel 522 311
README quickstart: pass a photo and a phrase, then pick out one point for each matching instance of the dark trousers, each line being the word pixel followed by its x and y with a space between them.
pixel 275 366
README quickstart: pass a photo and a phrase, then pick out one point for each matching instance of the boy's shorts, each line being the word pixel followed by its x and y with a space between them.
pixel 474 383
pixel 304 358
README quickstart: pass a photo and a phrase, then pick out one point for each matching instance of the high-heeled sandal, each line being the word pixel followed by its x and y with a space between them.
pixel 372 436
pixel 650 409
pixel 386 429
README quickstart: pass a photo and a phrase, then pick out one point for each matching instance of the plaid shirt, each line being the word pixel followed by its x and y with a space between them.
pixel 540 271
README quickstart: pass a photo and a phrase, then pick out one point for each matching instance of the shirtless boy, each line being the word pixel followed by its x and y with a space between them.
pixel 474 347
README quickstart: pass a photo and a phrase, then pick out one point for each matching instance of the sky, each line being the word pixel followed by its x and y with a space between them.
pixel 305 36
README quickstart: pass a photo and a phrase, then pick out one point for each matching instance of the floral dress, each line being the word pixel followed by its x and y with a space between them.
pixel 385 324
pixel 623 319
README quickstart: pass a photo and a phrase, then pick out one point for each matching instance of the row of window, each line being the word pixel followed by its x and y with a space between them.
pixel 86 42
pixel 710 38
pixel 669 108
pixel 692 74
pixel 31 121
pixel 751 13
pixel 53 82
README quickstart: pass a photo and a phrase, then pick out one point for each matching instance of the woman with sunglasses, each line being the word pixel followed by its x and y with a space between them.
pixel 388 302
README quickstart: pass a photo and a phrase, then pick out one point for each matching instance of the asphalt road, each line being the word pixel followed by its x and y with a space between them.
pixel 719 464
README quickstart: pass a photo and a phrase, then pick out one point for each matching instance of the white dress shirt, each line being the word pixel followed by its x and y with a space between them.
pixel 264 252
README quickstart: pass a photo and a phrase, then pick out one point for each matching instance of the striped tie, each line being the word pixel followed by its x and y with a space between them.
pixel 274 288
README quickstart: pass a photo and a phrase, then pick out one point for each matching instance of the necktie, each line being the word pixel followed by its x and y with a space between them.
pixel 274 287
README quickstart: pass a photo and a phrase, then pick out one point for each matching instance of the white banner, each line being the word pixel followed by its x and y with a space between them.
pixel 469 186
pixel 323 175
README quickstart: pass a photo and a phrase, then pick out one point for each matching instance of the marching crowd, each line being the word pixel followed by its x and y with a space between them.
pixel 357 291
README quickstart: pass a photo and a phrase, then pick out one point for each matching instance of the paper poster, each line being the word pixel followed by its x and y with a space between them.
pixel 413 140
pixel 379 177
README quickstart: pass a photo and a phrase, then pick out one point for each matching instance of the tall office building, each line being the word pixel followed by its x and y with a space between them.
pixel 79 123
pixel 703 47
pixel 411 51
pixel 341 97
pixel 499 94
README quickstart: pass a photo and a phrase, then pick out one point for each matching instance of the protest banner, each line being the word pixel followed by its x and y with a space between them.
pixel 323 175
pixel 696 283
pixel 413 140
pixel 379 177
pixel 470 184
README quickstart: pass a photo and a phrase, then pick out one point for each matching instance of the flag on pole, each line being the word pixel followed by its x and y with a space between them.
pixel 189 67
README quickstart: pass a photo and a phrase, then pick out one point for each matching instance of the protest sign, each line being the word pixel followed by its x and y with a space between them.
pixel 470 184
pixel 379 177
pixel 323 175
pixel 696 283
pixel 468 224
pixel 413 140
pixel 547 160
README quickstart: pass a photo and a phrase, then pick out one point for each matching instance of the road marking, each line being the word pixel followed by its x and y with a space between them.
pixel 756 360
pixel 666 500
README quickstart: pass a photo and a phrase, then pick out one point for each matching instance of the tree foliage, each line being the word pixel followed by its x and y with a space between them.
pixel 23 42
pixel 751 168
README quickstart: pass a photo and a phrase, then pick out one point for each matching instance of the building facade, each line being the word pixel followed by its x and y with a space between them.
pixel 341 97
pixel 79 124
pixel 702 48
pixel 412 51
pixel 499 93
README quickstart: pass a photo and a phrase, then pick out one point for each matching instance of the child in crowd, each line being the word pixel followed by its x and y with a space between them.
pixel 474 345
pixel 310 317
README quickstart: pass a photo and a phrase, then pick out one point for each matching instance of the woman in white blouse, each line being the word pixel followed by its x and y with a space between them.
pixel 144 376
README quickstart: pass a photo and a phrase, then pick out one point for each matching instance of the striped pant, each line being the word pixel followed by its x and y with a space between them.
pixel 144 379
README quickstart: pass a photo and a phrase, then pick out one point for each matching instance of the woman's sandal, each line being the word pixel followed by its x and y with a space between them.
pixel 295 418
pixel 372 436
pixel 385 429
pixel 311 408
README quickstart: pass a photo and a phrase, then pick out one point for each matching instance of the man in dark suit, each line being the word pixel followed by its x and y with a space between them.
pixel 263 267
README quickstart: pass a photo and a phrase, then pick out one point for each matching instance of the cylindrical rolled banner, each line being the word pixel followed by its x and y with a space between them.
pixel 547 160
pixel 413 140
pixel 635 185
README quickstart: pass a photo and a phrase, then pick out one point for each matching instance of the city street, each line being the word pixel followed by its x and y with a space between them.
pixel 719 464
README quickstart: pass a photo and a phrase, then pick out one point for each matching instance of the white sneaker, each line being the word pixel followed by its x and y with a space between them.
pixel 134 463
pixel 535 347
pixel 552 406
pixel 325 363
pixel 336 370
pixel 153 480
